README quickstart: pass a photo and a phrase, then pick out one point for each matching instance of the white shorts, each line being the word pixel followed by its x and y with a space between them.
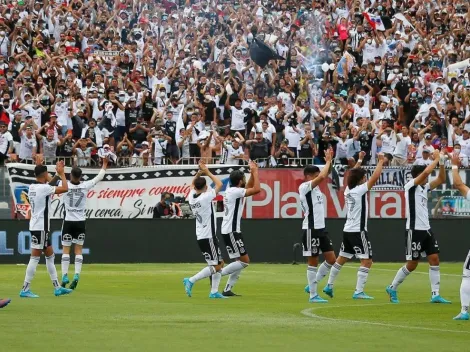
pixel 466 266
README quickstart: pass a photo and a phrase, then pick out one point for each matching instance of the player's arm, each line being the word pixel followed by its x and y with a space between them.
pixel 424 175
pixel 362 154
pixel 378 170
pixel 53 180
pixel 326 169
pixel 254 181
pixel 102 172
pixel 441 177
pixel 205 171
pixel 64 187
pixel 462 187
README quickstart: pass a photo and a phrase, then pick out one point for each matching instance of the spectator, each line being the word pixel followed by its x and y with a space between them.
pixel 166 208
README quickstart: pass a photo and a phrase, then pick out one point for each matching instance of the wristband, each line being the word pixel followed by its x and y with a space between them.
pixel 455 167
pixel 359 160
pixel 442 159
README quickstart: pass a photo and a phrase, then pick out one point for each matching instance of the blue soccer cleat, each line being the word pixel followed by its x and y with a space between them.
pixel 6 301
pixel 439 299
pixel 317 299
pixel 188 286
pixel 392 294
pixel 62 291
pixel 216 295
pixel 28 294
pixel 307 289
pixel 74 283
pixel 327 290
pixel 462 316
pixel 65 280
pixel 361 295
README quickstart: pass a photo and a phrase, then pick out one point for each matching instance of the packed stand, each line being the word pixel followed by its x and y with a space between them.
pixel 174 81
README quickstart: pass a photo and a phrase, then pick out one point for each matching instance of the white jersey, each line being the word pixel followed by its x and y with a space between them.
pixel 417 214
pixel 203 209
pixel 358 208
pixel 233 209
pixel 75 198
pixel 39 196
pixel 311 201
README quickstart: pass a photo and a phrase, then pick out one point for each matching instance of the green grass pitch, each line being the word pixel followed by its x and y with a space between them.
pixel 143 307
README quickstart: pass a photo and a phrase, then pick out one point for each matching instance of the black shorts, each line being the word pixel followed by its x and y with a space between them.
pixel 234 244
pixel 420 243
pixel 172 151
pixel 356 244
pixel 210 250
pixel 73 232
pixel 40 240
pixel 315 242
pixel 194 151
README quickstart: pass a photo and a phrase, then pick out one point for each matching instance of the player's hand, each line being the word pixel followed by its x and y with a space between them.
pixel 253 166
pixel 39 159
pixel 328 155
pixel 203 167
pixel 104 163
pixel 362 154
pixel 455 159
pixel 436 154
pixel 59 168
pixel 381 157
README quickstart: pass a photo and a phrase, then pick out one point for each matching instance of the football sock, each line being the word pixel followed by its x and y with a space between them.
pixel 52 270
pixel 216 281
pixel 64 263
pixel 401 275
pixel 312 280
pixel 333 273
pixel 435 279
pixel 465 294
pixel 232 267
pixel 323 270
pixel 206 272
pixel 232 280
pixel 78 264
pixel 362 274
pixel 30 271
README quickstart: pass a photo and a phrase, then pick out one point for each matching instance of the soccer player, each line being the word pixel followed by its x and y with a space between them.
pixel 465 285
pixel 355 239
pixel 4 302
pixel 231 231
pixel 39 225
pixel 200 201
pixel 419 240
pixel 315 240
pixel 74 225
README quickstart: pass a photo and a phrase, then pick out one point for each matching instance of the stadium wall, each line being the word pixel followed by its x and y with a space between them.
pixel 172 241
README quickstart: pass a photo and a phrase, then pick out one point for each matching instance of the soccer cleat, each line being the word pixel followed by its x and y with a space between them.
pixel 361 295
pixel 65 280
pixel 6 301
pixel 216 295
pixel 392 294
pixel 307 289
pixel 439 299
pixel 462 316
pixel 317 299
pixel 188 286
pixel 327 290
pixel 74 283
pixel 28 294
pixel 62 291
pixel 230 294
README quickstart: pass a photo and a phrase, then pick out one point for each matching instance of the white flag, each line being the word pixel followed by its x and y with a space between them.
pixel 402 18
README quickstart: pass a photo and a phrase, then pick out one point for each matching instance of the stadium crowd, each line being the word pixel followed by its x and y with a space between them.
pixel 152 82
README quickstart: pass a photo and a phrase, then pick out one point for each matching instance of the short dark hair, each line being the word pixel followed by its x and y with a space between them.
pixel 235 177
pixel 39 170
pixel 417 170
pixel 76 172
pixel 311 170
pixel 355 176
pixel 200 183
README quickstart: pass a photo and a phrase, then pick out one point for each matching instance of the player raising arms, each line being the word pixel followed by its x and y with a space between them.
pixel 355 239
pixel 74 226
pixel 465 285
pixel 231 231
pixel 315 240
pixel 39 225
pixel 418 237
pixel 200 201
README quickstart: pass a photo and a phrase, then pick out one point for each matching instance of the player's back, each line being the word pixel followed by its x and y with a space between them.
pixel 233 209
pixel 417 213
pixel 203 209
pixel 311 200
pixel 75 200
pixel 40 201
pixel 358 207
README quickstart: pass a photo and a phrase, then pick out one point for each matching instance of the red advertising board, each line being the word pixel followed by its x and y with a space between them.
pixel 279 198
